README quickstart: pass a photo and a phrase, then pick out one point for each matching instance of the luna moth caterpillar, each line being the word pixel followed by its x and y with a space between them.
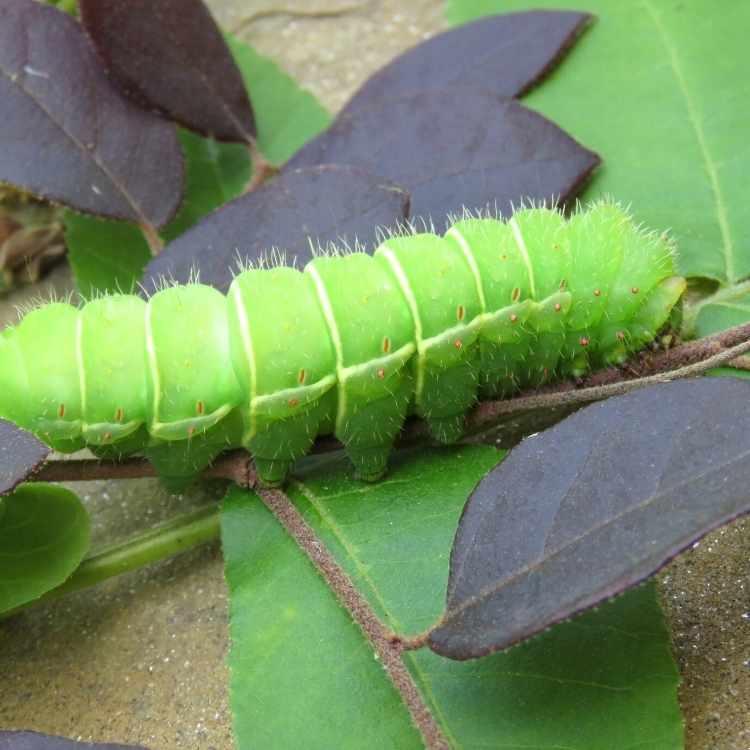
pixel 349 345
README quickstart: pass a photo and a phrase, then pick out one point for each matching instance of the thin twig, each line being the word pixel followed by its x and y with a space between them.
pixel 488 412
pixel 262 168
pixel 740 363
pixel 152 237
pixel 157 543
pixel 387 645
pixel 235 466
pixel 687 360
pixel 88 469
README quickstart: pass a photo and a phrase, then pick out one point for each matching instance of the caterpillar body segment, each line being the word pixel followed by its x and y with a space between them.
pixel 351 345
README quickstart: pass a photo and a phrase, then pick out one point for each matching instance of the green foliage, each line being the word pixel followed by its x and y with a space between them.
pixel 301 668
pixel 287 116
pixel 106 256
pixel 44 534
pixel 603 681
pixel 216 173
pixel 653 88
pixel 722 312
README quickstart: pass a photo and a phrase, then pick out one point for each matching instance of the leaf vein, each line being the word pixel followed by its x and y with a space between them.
pixel 710 164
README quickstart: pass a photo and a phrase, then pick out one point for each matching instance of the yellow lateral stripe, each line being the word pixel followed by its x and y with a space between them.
pixel 205 422
pixel 318 388
pixel 400 355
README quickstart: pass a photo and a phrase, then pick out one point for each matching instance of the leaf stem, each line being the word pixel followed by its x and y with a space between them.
pixel 178 535
pixel 153 238
pixel 688 360
pixel 262 168
pixel 489 412
pixel 234 466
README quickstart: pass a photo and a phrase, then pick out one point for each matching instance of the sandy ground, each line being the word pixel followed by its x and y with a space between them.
pixel 141 658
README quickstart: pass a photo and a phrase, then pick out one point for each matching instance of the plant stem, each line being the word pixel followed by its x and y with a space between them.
pixel 740 363
pixel 236 466
pixel 687 360
pixel 489 411
pixel 387 645
pixel 262 168
pixel 153 238
pixel 178 535
pixel 243 23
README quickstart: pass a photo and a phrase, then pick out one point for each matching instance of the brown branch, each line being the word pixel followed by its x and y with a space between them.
pixel 262 168
pixel 386 644
pixel 235 466
pixel 599 386
pixel 152 237
pixel 687 360
pixel 699 350
pixel 87 469
pixel 740 363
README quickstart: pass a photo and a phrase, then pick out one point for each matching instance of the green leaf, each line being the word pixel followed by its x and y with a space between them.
pixel 216 173
pixel 302 673
pixel 719 315
pixel 105 256
pixel 287 116
pixel 44 534
pixel 656 88
pixel 726 307
pixel 110 256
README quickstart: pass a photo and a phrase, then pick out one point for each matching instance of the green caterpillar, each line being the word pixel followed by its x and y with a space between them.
pixel 350 345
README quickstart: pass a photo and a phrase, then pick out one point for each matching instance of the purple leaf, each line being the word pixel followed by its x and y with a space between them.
pixel 507 54
pixel 68 135
pixel 456 148
pixel 593 506
pixel 21 454
pixel 319 205
pixel 170 55
pixel 37 741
